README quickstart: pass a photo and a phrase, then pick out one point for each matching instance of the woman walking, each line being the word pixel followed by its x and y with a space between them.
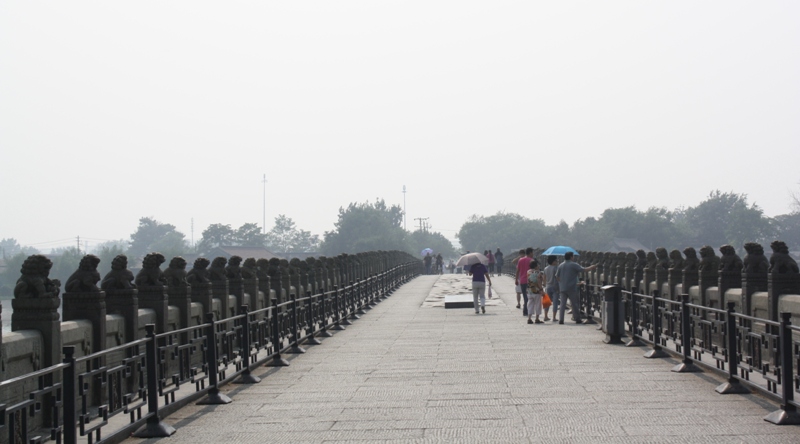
pixel 535 280
pixel 480 274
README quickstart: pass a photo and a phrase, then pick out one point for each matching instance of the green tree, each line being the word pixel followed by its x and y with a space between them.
pixel 8 279
pixel 250 235
pixel 214 236
pixel 727 218
pixel 787 229
pixel 304 241
pixel 365 227
pixel 508 231
pixel 10 247
pixel 280 237
pixel 152 235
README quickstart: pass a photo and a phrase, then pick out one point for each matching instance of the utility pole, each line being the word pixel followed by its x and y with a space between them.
pixel 264 195
pixel 404 209
pixel 79 245
pixel 422 222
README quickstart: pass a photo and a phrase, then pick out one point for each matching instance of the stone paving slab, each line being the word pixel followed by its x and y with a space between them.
pixel 410 371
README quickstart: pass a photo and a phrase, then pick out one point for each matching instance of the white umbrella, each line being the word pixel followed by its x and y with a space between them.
pixel 472 259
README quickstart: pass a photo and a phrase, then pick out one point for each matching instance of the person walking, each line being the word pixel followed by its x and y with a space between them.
pixel 427 261
pixel 523 264
pixel 480 274
pixel 551 285
pixel 490 256
pixel 498 261
pixel 535 280
pixel 567 276
pixel 439 263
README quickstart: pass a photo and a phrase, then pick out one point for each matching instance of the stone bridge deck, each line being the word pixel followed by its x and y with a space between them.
pixel 412 372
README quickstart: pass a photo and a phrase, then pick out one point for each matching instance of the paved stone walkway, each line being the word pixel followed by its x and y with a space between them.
pixel 408 373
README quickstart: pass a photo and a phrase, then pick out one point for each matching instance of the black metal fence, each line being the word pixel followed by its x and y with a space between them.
pixel 754 354
pixel 145 380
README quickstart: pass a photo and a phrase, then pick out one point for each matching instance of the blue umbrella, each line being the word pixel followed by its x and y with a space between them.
pixel 559 250
pixel 426 251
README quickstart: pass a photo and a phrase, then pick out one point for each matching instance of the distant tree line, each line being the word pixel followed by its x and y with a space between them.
pixel 722 218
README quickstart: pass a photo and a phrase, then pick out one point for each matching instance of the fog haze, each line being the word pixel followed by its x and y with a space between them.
pixel 555 110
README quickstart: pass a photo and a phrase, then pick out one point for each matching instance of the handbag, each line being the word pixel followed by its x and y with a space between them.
pixel 490 291
pixel 546 302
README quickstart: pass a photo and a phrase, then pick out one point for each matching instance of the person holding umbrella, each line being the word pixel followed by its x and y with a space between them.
pixel 480 274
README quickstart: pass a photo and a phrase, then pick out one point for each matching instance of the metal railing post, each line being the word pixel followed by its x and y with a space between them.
pixel 153 428
pixel 325 315
pixel 787 414
pixel 295 348
pixel 247 377
pixel 634 342
pixel 310 321
pixel 687 365
pixel 733 386
pixel 212 364
pixel 277 360
pixel 337 311
pixel 656 352
pixel 70 412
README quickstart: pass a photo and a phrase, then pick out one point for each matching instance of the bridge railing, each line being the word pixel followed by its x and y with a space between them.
pixel 145 380
pixel 754 354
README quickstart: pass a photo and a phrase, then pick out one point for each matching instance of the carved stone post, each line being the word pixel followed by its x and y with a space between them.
pixel 708 274
pixel 235 283
pixel 35 306
pixel 630 270
pixel 219 286
pixel 649 273
pixel 179 294
pixel 250 283
pixel 784 277
pixel 152 292
pixel 754 275
pixel 638 271
pixel 730 273
pixel 84 300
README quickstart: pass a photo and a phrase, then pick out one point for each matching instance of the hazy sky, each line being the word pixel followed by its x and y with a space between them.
pixel 110 111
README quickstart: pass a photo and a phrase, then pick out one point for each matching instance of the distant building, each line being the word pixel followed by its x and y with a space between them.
pixel 625 245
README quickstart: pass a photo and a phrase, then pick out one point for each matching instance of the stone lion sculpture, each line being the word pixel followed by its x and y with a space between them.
pixel 652 261
pixel 234 270
pixel 85 278
pixel 151 273
pixel 217 270
pixel 709 261
pixel 34 282
pixel 780 262
pixel 263 269
pixel 641 259
pixel 630 261
pixel 675 260
pixel 755 261
pixel 729 261
pixel 691 263
pixel 119 278
pixel 663 258
pixel 199 273
pixel 175 274
pixel 249 269
pixel 620 262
